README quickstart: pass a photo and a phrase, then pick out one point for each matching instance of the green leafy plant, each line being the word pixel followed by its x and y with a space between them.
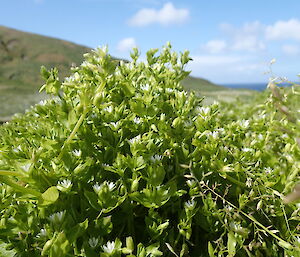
pixel 123 162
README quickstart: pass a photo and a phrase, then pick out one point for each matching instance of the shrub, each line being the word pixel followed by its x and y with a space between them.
pixel 122 161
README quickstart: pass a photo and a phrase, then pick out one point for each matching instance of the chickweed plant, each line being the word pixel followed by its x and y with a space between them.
pixel 121 161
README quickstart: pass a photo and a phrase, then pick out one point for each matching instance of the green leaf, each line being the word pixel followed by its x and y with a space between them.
pixel 45 74
pixel 92 199
pixel 50 196
pixel 76 231
pixel 128 89
pixel 6 253
pixel 231 244
pixel 130 243
pixel 60 246
pixel 104 225
pixel 210 250
pixel 153 250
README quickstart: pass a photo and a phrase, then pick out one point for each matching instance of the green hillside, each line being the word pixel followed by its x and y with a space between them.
pixel 199 84
pixel 22 54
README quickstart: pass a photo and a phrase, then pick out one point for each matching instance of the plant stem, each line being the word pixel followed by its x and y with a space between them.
pixel 74 131
pixel 10 173
pixel 245 214
pixel 233 180
pixel 17 187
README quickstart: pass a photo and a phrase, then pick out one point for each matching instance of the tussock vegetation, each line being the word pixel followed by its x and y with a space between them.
pixel 123 162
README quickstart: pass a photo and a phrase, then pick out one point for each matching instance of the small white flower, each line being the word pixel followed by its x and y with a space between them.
pixel 268 170
pixel 221 130
pixel 247 149
pixel 109 247
pixel 135 139
pixel 69 79
pixel 260 137
pixel 104 165
pixel 248 134
pixel 213 134
pixel 190 204
pixel 42 102
pixel 145 87
pixel 204 110
pixel 169 90
pixel 114 124
pixel 111 185
pixel 43 233
pixel 93 242
pixel 137 120
pixel 229 208
pixel 64 185
pixel 191 183
pixel 57 217
pixel 26 167
pixel 76 76
pixel 97 188
pixel 227 168
pixel 156 158
pixel 18 149
pixel 86 64
pixel 181 94
pixel 249 182
pixel 108 109
pixel 244 123
pixel 77 153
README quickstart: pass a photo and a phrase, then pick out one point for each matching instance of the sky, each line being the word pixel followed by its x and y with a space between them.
pixel 230 41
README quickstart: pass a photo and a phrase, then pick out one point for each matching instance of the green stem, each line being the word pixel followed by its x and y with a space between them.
pixel 235 181
pixel 20 188
pixel 10 173
pixel 246 215
pixel 73 133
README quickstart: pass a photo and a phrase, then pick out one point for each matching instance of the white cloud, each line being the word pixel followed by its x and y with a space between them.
pixel 228 68
pixel 254 27
pixel 126 44
pixel 284 30
pixel 291 49
pixel 214 60
pixel 215 46
pixel 248 37
pixel 249 43
pixel 167 15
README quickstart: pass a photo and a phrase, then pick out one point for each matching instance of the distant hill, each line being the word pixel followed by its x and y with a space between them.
pixel 202 85
pixel 21 56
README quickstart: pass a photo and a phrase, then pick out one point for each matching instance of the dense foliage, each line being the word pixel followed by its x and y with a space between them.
pixel 123 162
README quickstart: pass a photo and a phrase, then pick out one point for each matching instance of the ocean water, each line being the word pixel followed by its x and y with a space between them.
pixel 253 86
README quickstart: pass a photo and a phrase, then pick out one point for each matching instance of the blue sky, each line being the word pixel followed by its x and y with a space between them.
pixel 231 41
